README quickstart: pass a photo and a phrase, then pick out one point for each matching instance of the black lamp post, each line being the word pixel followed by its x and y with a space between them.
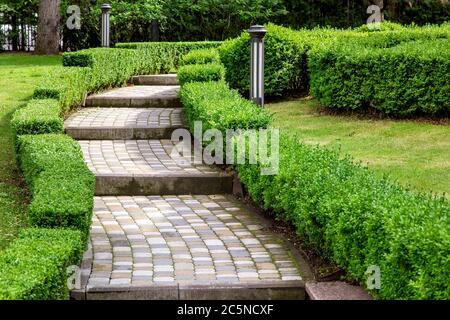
pixel 106 7
pixel 257 33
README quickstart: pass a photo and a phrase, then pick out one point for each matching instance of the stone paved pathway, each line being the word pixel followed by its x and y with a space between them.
pixel 141 240
pixel 163 227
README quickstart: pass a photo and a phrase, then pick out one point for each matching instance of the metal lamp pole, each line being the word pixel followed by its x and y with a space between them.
pixel 257 33
pixel 106 7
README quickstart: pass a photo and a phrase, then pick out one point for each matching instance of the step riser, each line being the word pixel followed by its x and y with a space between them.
pixel 265 290
pixel 120 133
pixel 102 102
pixel 155 80
pixel 110 185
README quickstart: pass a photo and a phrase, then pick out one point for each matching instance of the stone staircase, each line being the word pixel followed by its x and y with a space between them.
pixel 166 228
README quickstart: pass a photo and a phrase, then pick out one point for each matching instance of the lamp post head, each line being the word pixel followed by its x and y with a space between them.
pixel 257 31
pixel 106 7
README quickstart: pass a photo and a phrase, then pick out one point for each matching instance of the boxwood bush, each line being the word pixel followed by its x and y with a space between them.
pixel 285 58
pixel 356 219
pixel 286 52
pixel 34 266
pixel 61 184
pixel 219 107
pixel 201 73
pixel 200 56
pixel 164 57
pixel 68 85
pixel 410 78
pixel 110 67
pixel 38 116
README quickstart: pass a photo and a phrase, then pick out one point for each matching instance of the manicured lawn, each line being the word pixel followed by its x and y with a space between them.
pixel 19 73
pixel 413 153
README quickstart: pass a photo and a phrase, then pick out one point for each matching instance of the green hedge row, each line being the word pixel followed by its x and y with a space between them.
pixel 292 59
pixel 61 184
pixel 358 220
pixel 201 73
pixel 200 56
pixel 219 107
pixel 38 116
pixel 343 210
pixel 285 58
pixel 68 85
pixel 34 266
pixel 164 57
pixel 411 78
pixel 109 67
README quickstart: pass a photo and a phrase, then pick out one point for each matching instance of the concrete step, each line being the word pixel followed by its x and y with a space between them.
pixel 156 80
pixel 124 123
pixel 147 167
pixel 137 97
pixel 186 247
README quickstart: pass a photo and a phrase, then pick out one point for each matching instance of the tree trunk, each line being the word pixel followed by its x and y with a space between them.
pixel 14 33
pixel 47 41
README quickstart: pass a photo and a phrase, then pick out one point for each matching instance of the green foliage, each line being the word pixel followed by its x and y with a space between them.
pixel 356 219
pixel 163 57
pixel 109 67
pixel 61 184
pixel 68 85
pixel 129 21
pixel 401 80
pixel 381 26
pixel 34 266
pixel 201 56
pixel 211 19
pixel 285 60
pixel 38 116
pixel 219 107
pixel 201 73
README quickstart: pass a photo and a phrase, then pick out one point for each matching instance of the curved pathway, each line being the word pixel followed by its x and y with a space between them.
pixel 164 228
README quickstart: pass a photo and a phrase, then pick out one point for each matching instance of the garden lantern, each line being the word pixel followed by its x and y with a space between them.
pixel 106 7
pixel 257 34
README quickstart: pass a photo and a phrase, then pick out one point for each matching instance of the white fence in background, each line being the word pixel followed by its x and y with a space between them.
pixel 26 37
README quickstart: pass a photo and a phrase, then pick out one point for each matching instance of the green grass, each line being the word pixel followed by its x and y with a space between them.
pixel 20 73
pixel 416 154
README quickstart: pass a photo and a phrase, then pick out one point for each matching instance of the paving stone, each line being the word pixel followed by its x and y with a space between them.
pixel 146 167
pixel 137 97
pixel 124 123
pixel 156 79
pixel 169 257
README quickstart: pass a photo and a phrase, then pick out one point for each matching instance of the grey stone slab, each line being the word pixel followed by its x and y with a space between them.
pixel 156 79
pixel 335 290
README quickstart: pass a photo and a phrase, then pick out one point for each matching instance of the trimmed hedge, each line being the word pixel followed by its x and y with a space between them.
pixel 410 78
pixel 164 57
pixel 201 73
pixel 34 266
pixel 284 61
pixel 109 67
pixel 68 85
pixel 219 107
pixel 200 56
pixel 38 116
pixel 357 220
pixel 61 184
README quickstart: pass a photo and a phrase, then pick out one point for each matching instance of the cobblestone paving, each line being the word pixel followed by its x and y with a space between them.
pixel 126 118
pixel 138 157
pixel 140 92
pixel 166 239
